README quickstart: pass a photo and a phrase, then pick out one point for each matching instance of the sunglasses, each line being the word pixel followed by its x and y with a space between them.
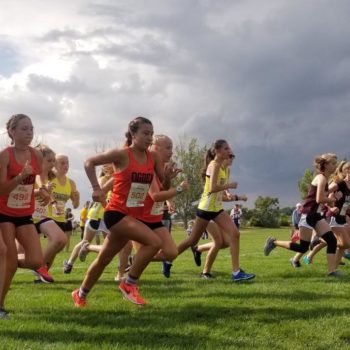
pixel 232 156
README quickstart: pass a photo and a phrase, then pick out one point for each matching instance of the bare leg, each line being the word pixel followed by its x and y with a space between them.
pixel 227 225
pixel 217 237
pixel 3 254
pixel 126 229
pixel 68 234
pixel 168 249
pixel 123 260
pixel 56 241
pixel 321 228
pixel 199 227
pixel 89 235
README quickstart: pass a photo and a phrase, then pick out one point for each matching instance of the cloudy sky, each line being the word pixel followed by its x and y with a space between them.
pixel 272 77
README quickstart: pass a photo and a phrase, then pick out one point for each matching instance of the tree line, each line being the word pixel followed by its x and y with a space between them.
pixel 189 156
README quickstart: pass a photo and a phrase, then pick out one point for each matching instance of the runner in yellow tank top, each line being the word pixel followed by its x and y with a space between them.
pixel 210 206
pixel 213 201
pixel 63 189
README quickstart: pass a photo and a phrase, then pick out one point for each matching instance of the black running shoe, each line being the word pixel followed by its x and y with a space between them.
pixel 197 256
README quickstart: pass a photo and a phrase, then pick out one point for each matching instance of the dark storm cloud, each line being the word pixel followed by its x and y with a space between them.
pixel 274 83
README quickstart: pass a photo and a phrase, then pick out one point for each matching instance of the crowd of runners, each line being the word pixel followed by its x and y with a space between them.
pixel 131 201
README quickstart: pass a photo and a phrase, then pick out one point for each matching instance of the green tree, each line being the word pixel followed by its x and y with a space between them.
pixel 305 182
pixel 190 157
pixel 266 212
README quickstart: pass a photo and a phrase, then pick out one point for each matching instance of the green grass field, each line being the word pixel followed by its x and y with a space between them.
pixel 283 308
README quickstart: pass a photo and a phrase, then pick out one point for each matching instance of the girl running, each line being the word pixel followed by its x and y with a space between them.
pixel 220 239
pixel 19 164
pixel 134 170
pixel 312 217
pixel 341 186
pixel 3 252
pixel 210 206
pixel 63 189
pixel 56 239
pixel 152 213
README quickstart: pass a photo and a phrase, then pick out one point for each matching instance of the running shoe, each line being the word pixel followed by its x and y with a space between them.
pixel 306 260
pixel 166 269
pixel 196 256
pixel 242 276
pixel 295 263
pixel 336 274
pixel 43 274
pixel 342 263
pixel 78 302
pixel 83 252
pixel 316 241
pixel 4 315
pixel 207 276
pixel 269 245
pixel 67 268
pixel 131 293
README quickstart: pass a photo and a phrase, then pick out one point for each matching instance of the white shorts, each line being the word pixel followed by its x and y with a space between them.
pixel 102 228
pixel 303 223
pixel 334 223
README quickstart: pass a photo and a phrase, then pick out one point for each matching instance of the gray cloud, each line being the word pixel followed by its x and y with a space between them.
pixel 272 80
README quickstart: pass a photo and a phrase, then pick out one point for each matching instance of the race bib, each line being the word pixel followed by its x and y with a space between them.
pixel 137 195
pixel 20 197
pixel 40 212
pixel 58 208
pixel 157 208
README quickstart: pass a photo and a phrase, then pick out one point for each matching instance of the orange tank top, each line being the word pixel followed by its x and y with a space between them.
pixel 152 211
pixel 131 186
pixel 20 201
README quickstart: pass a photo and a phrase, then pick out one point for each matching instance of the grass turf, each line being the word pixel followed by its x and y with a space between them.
pixel 283 308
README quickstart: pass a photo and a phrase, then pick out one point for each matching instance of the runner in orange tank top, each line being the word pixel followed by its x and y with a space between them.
pixel 134 167
pixel 19 164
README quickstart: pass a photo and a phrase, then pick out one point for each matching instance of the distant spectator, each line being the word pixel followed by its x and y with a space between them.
pixel 236 214
pixel 83 218
pixel 296 215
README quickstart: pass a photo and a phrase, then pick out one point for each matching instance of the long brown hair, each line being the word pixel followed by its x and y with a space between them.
pixel 45 150
pixel 210 155
pixel 320 162
pixel 13 122
pixel 134 125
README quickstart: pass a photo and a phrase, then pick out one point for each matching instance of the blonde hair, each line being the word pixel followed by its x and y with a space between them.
pixel 339 172
pixel 157 139
pixel 60 156
pixel 321 161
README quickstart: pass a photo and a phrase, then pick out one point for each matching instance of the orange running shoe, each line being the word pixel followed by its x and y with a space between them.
pixel 131 293
pixel 43 274
pixel 78 302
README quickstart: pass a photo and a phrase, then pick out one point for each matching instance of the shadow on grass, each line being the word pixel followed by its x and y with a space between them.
pixel 152 327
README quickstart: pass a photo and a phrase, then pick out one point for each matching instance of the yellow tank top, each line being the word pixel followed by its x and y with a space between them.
pixel 60 196
pixel 213 201
pixel 96 211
